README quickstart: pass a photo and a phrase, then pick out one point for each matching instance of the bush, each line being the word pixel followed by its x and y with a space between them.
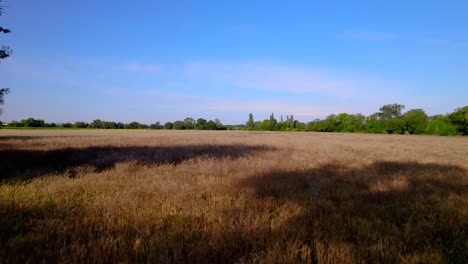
pixel 416 121
pixel 440 127
pixel 168 125
pixel 80 125
pixel 31 122
pixel 459 119
pixel 374 126
pixel 395 126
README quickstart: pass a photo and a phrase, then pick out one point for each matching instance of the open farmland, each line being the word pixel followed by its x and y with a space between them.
pixel 232 196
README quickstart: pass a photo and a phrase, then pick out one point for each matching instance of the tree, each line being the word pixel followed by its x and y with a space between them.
pixel 395 126
pixel 272 122
pixel 416 121
pixel 135 125
pixel 211 125
pixel 156 125
pixel 179 125
pixel 67 125
pixel 97 124
pixel 80 124
pixel 373 125
pixel 265 125
pixel 5 52
pixel 440 127
pixel 3 92
pixel 290 121
pixel 250 123
pixel 219 125
pixel 201 124
pixel 459 119
pixel 390 111
pixel 168 125
pixel 31 122
pixel 189 123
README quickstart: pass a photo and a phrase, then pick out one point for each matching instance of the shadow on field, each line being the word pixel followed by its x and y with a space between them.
pixel 35 137
pixel 378 213
pixel 385 212
pixel 27 164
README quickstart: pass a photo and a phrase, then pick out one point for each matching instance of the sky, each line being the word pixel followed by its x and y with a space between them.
pixel 151 61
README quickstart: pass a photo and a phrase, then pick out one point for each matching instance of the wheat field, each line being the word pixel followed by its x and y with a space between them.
pixel 232 197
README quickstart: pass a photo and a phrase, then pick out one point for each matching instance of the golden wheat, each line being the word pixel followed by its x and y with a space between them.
pixel 232 196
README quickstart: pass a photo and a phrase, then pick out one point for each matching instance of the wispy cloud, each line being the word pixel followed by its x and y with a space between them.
pixel 444 42
pixel 274 77
pixel 278 107
pixel 368 36
pixel 372 36
pixel 148 68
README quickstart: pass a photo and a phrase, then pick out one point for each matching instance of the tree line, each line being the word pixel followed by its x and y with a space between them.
pixel 389 119
pixel 187 123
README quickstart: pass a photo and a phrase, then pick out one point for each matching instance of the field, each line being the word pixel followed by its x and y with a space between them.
pixel 232 196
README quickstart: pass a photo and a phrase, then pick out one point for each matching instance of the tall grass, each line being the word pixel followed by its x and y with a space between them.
pixel 207 196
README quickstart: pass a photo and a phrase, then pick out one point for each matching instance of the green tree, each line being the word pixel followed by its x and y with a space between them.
pixel 416 121
pixel 179 125
pixel 135 125
pixel 281 126
pixel 189 123
pixel 330 124
pixel 219 125
pixel 459 118
pixel 201 124
pixel 440 127
pixel 31 122
pixel 97 123
pixel 395 126
pixel 390 111
pixel 156 125
pixel 272 122
pixel 3 92
pixel 250 123
pixel 168 125
pixel 299 126
pixel 290 121
pixel 14 124
pixel 373 125
pixel 265 125
pixel 67 125
pixel 80 124
pixel 211 125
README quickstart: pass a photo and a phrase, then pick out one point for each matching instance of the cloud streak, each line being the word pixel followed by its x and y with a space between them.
pixel 146 68
pixel 275 77
pixel 368 36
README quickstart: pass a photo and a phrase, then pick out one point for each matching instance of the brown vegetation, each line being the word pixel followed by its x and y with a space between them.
pixel 222 196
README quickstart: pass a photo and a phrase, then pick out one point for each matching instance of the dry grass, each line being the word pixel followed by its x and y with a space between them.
pixel 220 196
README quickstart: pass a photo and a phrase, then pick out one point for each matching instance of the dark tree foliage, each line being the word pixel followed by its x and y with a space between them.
pixel 416 121
pixel 5 52
pixel 250 123
pixel 3 92
pixel 390 111
pixel 459 119
pixel 156 125
pixel 168 125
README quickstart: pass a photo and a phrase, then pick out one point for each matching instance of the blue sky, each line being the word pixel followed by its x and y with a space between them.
pixel 165 60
